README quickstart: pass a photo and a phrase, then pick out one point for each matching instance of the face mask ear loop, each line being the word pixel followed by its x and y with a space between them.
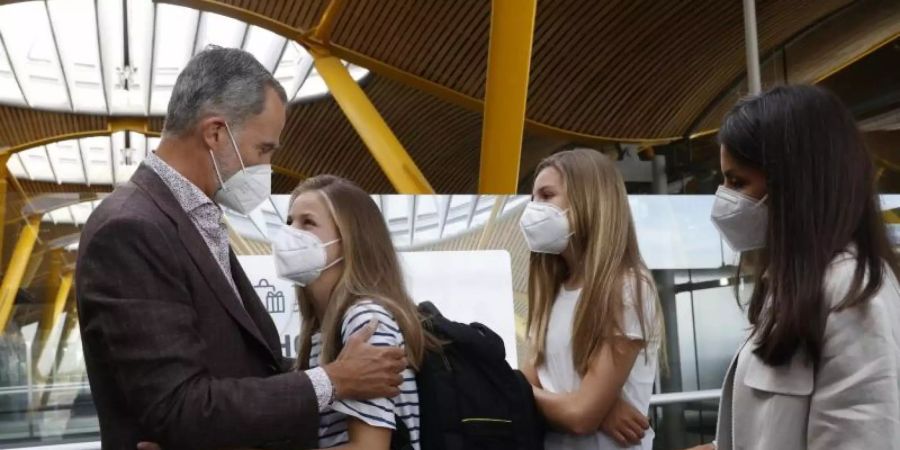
pixel 331 264
pixel 762 201
pixel 337 260
pixel 326 244
pixel 234 144
pixel 216 167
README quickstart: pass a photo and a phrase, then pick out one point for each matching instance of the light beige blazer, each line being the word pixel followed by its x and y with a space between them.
pixel 850 401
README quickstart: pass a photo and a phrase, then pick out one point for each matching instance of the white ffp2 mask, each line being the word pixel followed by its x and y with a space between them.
pixel 545 227
pixel 742 220
pixel 300 255
pixel 245 190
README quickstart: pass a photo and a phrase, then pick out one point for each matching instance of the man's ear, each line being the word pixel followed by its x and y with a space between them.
pixel 212 131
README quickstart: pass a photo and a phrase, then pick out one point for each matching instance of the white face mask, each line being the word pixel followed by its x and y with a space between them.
pixel 742 220
pixel 300 255
pixel 245 190
pixel 546 228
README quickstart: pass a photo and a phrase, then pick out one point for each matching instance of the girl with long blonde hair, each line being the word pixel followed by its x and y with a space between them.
pixel 338 250
pixel 594 321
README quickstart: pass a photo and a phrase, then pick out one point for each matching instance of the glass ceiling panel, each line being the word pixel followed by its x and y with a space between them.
pixel 71 159
pixel 127 161
pixel 74 22
pixel 219 30
pixel 30 45
pixel 314 87
pixel 294 67
pixel 123 57
pixel 82 211
pixel 266 219
pixel 265 45
pixel 9 87
pixel 396 209
pixel 14 165
pixel 61 215
pixel 66 159
pixel 96 152
pixel 126 81
pixel 515 201
pixel 176 28
pixel 36 164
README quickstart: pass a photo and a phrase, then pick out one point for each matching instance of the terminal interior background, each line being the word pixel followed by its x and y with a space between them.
pixel 84 86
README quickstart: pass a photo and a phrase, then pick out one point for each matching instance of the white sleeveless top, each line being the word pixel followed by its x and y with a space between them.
pixel 558 375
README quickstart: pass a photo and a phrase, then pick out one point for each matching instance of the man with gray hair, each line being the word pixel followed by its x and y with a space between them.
pixel 178 348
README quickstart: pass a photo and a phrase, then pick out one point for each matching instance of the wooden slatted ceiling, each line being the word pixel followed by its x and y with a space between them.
pixel 20 126
pixel 444 140
pixel 591 61
pixel 23 125
pixel 155 124
pixel 42 187
pixel 300 14
pixel 837 40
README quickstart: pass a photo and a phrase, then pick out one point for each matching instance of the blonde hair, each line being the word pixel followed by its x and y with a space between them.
pixel 371 271
pixel 605 241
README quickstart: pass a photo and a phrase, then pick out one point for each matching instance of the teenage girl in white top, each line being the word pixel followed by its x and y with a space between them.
pixel 594 322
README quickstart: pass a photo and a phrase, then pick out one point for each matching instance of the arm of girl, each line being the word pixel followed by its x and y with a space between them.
pixel 370 423
pixel 582 411
pixel 366 437
pixel 530 373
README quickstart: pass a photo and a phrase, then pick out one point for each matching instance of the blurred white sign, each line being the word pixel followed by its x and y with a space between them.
pixel 469 286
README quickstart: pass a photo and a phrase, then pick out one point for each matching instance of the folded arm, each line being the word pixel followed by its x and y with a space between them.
pixel 582 411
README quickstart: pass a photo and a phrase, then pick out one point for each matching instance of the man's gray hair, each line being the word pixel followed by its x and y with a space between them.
pixel 219 81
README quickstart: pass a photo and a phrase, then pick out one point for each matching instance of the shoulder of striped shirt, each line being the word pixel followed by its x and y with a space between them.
pixel 359 314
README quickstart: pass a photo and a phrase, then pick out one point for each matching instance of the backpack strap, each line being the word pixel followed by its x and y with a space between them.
pixel 400 438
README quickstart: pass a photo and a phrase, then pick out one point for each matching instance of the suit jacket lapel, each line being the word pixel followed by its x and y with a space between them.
pixel 150 182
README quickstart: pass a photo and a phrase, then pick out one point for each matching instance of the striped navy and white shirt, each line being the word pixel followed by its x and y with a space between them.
pixel 380 412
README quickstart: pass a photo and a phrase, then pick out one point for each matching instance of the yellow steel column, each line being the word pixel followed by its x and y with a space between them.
pixel 16 268
pixel 506 93
pixel 50 317
pixel 322 32
pixel 387 150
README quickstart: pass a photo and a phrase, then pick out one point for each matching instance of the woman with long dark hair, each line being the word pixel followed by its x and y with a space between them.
pixel 819 369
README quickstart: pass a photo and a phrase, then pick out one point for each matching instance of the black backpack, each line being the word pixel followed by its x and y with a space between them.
pixel 469 396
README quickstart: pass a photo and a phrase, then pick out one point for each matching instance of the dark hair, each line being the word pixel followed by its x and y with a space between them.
pixel 821 199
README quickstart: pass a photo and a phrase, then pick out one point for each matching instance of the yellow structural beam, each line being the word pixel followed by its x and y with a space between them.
pixel 16 268
pixel 387 150
pixel 506 94
pixel 322 32
pixel 51 314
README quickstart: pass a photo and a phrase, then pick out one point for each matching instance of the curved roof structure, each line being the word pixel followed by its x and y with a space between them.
pixel 601 72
